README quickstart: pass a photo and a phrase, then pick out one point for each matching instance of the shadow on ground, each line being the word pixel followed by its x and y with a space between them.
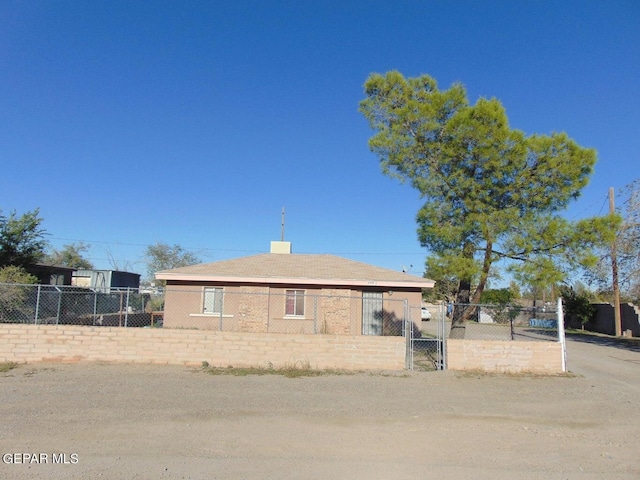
pixel 631 344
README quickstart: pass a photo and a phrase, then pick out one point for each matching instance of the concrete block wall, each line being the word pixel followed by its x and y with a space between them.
pixel 604 319
pixel 50 343
pixel 504 356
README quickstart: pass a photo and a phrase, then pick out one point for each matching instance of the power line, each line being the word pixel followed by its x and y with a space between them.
pixel 128 244
pixel 204 250
pixel 604 199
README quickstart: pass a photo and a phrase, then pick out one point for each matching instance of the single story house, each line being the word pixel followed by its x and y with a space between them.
pixel 291 293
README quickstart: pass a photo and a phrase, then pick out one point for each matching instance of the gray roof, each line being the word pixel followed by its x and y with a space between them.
pixel 295 268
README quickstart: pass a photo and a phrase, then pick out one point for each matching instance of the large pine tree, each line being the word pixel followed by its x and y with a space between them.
pixel 490 192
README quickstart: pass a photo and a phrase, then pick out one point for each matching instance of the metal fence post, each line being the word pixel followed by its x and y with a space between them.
pixel 442 334
pixel 95 306
pixel 408 334
pixel 59 306
pixel 35 319
pixel 513 333
pixel 126 310
pixel 561 336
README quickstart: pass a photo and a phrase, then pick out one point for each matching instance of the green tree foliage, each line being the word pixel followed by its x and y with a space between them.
pixel 491 193
pixel 577 305
pixel 71 255
pixel 445 287
pixel 498 296
pixel 514 287
pixel 501 299
pixel 14 274
pixel 164 257
pixel 22 240
pixel 14 292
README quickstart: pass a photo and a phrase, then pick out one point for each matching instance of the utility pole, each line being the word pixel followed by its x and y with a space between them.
pixel 614 269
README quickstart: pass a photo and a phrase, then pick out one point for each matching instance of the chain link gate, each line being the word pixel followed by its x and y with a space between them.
pixel 426 344
pixel 428 327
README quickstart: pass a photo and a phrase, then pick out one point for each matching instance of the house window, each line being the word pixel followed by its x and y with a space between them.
pixel 294 303
pixel 213 300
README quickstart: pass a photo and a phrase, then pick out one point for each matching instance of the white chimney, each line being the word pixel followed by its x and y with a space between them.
pixel 281 247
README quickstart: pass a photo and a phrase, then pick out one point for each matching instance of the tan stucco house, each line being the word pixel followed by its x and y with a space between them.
pixel 290 293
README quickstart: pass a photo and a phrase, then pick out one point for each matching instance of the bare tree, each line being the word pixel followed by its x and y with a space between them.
pixel 162 256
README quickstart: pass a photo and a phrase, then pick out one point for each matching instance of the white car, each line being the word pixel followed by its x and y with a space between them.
pixel 425 314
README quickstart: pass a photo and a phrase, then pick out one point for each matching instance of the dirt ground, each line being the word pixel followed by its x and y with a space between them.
pixel 165 422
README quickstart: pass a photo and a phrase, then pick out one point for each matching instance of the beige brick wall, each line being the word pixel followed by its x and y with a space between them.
pixel 336 313
pixel 253 310
pixel 262 309
pixel 504 356
pixel 35 343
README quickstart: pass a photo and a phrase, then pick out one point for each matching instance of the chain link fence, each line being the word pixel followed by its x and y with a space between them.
pixel 432 326
pixel 509 322
pixel 295 311
pixel 69 305
pixel 208 308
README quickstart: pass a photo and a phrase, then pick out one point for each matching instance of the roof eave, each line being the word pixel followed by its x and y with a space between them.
pixel 296 281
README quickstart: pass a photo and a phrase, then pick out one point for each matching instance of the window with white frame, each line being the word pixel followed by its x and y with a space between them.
pixel 213 303
pixel 294 303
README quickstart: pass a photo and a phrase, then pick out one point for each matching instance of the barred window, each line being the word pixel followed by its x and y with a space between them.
pixel 213 300
pixel 294 303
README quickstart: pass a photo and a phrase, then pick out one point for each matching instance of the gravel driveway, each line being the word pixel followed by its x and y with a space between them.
pixel 92 421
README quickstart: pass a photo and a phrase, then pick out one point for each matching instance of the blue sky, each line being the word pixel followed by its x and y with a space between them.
pixel 134 122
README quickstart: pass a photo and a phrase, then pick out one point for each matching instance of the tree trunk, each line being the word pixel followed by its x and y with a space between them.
pixel 484 276
pixel 459 320
pixel 467 306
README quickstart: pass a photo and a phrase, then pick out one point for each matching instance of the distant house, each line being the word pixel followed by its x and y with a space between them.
pixel 296 293
pixel 48 274
pixel 106 280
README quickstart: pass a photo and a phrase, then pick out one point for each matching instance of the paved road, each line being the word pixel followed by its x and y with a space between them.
pixel 611 363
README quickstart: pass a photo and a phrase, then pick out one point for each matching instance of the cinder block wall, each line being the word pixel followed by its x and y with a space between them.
pixel 504 356
pixel 35 343
pixel 604 319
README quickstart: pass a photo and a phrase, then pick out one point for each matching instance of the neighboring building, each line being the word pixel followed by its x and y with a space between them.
pixel 106 280
pixel 51 274
pixel 603 320
pixel 285 292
